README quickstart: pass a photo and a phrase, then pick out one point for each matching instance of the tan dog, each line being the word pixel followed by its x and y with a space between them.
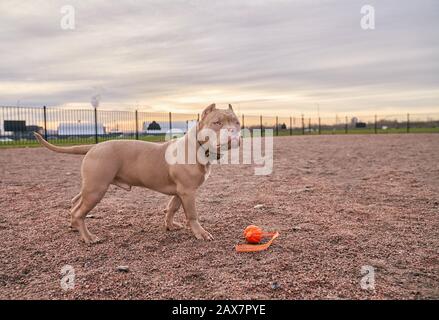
pixel 127 163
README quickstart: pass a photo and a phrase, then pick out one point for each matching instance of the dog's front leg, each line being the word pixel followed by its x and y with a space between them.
pixel 188 200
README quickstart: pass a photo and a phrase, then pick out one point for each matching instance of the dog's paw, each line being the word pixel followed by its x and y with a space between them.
pixel 92 239
pixel 173 226
pixel 203 235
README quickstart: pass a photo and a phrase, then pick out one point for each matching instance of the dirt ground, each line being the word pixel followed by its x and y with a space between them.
pixel 339 202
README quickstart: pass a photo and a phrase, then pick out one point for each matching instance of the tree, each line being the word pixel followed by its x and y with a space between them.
pixel 154 126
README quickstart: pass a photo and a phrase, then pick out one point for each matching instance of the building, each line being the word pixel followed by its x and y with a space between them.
pixel 80 129
pixel 178 127
pixel 17 129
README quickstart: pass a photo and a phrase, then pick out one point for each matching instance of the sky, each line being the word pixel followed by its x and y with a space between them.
pixel 270 57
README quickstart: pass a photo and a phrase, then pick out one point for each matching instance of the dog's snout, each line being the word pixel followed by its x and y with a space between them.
pixel 231 134
pixel 233 131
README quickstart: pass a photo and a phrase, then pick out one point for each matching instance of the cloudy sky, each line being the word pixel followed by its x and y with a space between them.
pixel 275 56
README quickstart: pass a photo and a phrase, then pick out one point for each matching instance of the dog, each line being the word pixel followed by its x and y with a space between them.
pixel 128 163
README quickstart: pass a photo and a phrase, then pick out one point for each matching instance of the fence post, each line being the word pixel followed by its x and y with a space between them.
pixel 45 122
pixel 242 122
pixel 309 125
pixel 170 124
pixel 137 125
pixel 196 126
pixel 375 125
pixel 96 125
pixel 408 123
pixel 291 126
pixel 277 126
pixel 260 122
pixel 303 125
pixel 346 125
pixel 320 128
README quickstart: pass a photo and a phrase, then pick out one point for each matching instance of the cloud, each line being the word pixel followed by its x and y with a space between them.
pixel 266 56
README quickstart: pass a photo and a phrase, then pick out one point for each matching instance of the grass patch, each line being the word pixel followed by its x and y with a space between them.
pixel 30 143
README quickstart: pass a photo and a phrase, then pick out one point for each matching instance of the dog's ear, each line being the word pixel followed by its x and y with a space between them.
pixel 230 107
pixel 208 110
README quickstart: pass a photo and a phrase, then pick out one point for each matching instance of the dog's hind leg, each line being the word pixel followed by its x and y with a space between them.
pixel 173 206
pixel 74 202
pixel 88 200
pixel 76 198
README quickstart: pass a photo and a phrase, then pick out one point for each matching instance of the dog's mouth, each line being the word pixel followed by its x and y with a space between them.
pixel 221 148
pixel 235 140
pixel 232 142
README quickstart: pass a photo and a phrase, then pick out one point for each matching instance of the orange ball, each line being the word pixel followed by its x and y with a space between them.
pixel 253 234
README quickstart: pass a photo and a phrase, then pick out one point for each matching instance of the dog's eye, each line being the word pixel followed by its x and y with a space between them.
pixel 217 123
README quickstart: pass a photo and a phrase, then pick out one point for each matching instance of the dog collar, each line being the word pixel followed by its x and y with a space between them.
pixel 208 154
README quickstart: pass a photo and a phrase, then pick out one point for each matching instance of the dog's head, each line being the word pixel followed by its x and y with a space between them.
pixel 224 124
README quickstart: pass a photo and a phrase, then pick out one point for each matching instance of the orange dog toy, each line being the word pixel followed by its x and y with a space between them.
pixel 253 234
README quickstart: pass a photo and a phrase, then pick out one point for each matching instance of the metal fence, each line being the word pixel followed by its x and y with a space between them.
pixel 80 126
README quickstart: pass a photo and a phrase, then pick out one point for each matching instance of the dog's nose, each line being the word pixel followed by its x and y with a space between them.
pixel 233 130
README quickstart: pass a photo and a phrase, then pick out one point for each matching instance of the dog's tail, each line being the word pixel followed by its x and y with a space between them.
pixel 73 149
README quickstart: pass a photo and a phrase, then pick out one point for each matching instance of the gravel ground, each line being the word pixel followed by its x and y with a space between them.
pixel 339 202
